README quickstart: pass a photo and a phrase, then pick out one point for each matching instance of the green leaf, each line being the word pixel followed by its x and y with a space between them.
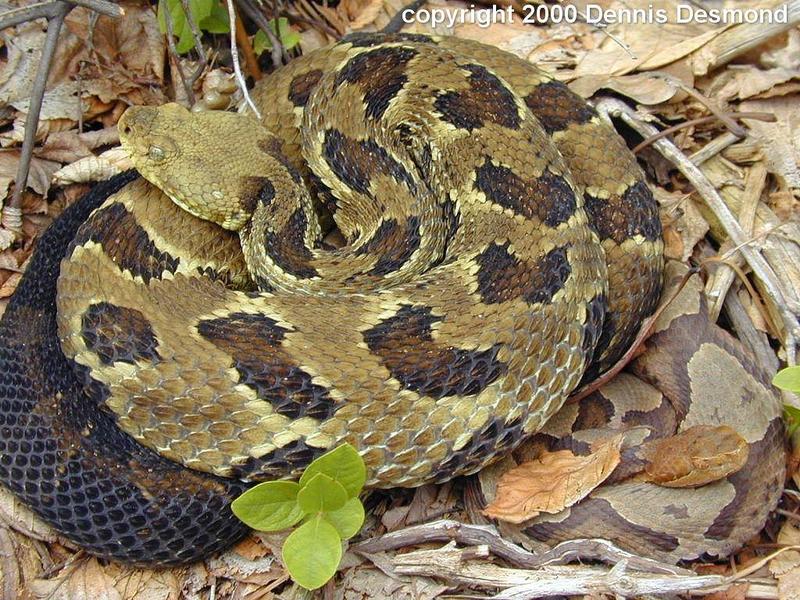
pixel 792 417
pixel 217 21
pixel 348 519
pixel 288 37
pixel 786 379
pixel 312 553
pixel 321 493
pixel 208 14
pixel 344 464
pixel 269 506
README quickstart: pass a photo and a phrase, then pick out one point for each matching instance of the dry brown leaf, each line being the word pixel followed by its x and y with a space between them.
pixel 6 239
pixel 696 456
pixel 65 147
pixel 251 565
pixel 132 44
pixel 364 13
pixel 39 177
pixel 684 225
pixel 781 140
pixel 642 87
pixel 20 518
pixel 146 584
pixel 737 591
pixel 61 110
pixel 552 483
pixel 10 284
pixel 650 43
pixel 24 52
pixel 369 583
pixel 84 580
pixel 786 566
pixel 681 49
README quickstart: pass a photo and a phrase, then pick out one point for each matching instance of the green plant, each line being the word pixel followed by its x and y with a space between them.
pixel 209 15
pixel 789 379
pixel 212 17
pixel 325 500
pixel 288 37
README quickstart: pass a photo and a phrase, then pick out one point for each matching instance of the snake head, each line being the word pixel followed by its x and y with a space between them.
pixel 194 158
pixel 140 136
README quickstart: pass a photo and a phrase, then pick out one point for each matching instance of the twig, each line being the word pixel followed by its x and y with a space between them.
pixel 48 10
pixel 259 19
pixel 788 310
pixel 747 333
pixel 12 212
pixel 732 125
pixel 475 535
pixel 16 16
pixel 397 22
pixel 187 87
pixel 737 271
pixel 718 286
pixel 451 564
pixel 250 60
pixel 10 566
pixel 713 148
pixel 103 7
pixel 198 45
pixel 768 117
pixel 314 23
pixel 744 36
pixel 237 69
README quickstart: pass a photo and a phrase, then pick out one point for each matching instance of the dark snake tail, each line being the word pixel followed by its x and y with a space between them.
pixel 129 504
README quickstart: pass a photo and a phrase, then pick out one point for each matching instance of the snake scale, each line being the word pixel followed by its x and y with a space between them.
pixel 173 341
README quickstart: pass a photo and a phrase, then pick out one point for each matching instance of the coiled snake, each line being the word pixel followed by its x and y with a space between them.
pixel 499 245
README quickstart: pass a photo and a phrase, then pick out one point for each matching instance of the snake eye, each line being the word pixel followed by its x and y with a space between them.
pixel 156 153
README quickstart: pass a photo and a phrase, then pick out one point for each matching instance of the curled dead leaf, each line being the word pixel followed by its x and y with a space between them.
pixel 786 565
pixel 553 482
pixel 94 168
pixel 695 457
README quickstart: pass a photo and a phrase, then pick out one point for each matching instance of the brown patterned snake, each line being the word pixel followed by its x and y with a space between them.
pixel 498 236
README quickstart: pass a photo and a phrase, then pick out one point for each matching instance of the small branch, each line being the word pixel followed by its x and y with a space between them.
pixel 103 7
pixel 768 117
pixel 718 285
pixel 734 127
pixel 397 22
pixel 173 50
pixel 16 16
pixel 263 24
pixel 198 45
pixel 452 565
pixel 744 36
pixel 250 60
pixel 12 215
pixel 713 148
pixel 788 310
pixel 10 566
pixel 235 57
pixel 446 530
pixel 48 10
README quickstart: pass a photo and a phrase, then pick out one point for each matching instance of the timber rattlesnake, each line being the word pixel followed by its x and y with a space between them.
pixel 489 255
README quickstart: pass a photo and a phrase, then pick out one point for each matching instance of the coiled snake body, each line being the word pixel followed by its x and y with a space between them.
pixel 497 238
